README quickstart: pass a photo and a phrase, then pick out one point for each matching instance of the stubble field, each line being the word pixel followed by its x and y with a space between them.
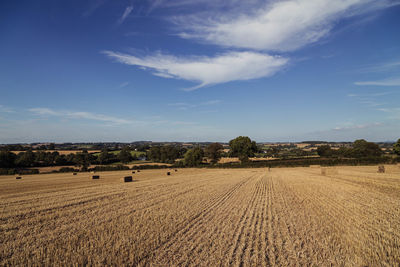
pixel 203 217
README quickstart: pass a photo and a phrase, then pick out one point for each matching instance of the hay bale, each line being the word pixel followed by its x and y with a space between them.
pixel 74 173
pixel 128 179
pixel 329 171
pixel 18 177
pixel 381 169
pixel 138 170
pixel 133 172
pixel 168 173
pixel 176 170
pixel 96 177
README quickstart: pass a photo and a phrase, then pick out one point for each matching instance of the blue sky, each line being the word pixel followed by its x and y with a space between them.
pixel 98 70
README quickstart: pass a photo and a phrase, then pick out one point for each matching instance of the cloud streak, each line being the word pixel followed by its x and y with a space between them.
pixel 358 126
pixel 126 13
pixel 395 81
pixel 185 106
pixel 79 115
pixel 276 25
pixel 227 67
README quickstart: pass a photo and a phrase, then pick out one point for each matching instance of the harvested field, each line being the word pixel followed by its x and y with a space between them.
pixel 203 217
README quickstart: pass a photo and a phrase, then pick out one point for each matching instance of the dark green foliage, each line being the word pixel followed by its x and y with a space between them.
pixel 325 151
pixel 243 148
pixel 125 155
pixel 362 148
pixel 166 154
pixel 396 147
pixel 194 157
pixel 83 160
pixel 117 167
pixel 213 152
pixel 7 159
pixel 67 169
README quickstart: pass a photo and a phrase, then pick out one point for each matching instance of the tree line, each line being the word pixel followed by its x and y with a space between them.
pixel 242 147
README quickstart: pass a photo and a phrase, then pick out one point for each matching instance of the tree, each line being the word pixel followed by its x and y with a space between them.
pixel 25 159
pixel 104 157
pixel 194 157
pixel 82 160
pixel 7 159
pixel 243 148
pixel 396 147
pixel 324 151
pixel 125 155
pixel 213 152
pixel 362 148
pixel 167 154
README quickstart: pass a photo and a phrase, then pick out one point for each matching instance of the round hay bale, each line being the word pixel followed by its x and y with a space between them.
pixel 138 170
pixel 133 172
pixel 176 170
pixel 96 177
pixel 168 173
pixel 381 169
pixel 18 177
pixel 128 179
pixel 74 173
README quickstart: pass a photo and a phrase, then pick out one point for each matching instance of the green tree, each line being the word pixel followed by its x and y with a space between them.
pixel 325 151
pixel 362 148
pixel 396 147
pixel 25 159
pixel 194 157
pixel 213 152
pixel 243 148
pixel 104 157
pixel 7 159
pixel 82 160
pixel 125 155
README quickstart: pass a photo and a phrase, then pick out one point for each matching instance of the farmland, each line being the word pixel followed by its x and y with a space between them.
pixel 206 217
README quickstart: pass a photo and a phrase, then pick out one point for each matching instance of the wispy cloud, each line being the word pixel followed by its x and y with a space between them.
pixel 276 25
pixel 381 67
pixel 394 81
pixel 185 106
pixel 79 115
pixel 6 109
pixel 126 13
pixel 124 84
pixel 231 66
pixel 394 113
pixel 358 126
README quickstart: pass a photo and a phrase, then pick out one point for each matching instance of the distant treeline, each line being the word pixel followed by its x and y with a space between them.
pixel 306 162
pixel 28 159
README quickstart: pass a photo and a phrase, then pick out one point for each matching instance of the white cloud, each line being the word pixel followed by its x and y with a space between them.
pixel 231 66
pixel 124 84
pixel 358 126
pixel 185 106
pixel 382 67
pixel 6 109
pixel 126 13
pixel 387 82
pixel 79 115
pixel 394 113
pixel 277 25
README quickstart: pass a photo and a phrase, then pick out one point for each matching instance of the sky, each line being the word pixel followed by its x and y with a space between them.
pixel 204 70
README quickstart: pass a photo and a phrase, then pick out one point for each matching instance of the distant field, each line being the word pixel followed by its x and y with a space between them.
pixel 61 152
pixel 133 153
pixel 203 217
